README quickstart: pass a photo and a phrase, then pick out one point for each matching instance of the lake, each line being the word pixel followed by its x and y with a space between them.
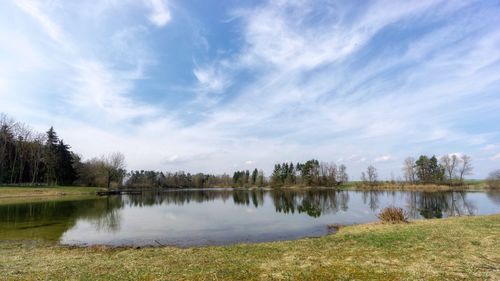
pixel 197 217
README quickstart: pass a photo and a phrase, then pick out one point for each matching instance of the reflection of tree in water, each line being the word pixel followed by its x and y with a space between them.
pixel 243 197
pixel 110 219
pixel 494 195
pixel 312 202
pixel 439 204
pixel 52 218
pixel 181 197
pixel 372 199
pixel 177 197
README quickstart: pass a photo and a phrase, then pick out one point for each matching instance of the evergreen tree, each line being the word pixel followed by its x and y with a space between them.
pixel 247 177
pixel 310 173
pixel 429 170
pixel 65 171
pixel 254 177
pixel 50 157
pixel 7 149
pixel 276 176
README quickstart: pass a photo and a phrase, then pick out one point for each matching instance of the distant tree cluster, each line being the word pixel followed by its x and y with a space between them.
pixel 105 171
pixel 493 179
pixel 29 157
pixel 246 179
pixel 450 169
pixel 310 173
pixel 141 179
pixel 371 175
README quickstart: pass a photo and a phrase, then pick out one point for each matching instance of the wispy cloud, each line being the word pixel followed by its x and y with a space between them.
pixel 160 13
pixel 383 158
pixel 210 79
pixel 281 81
pixel 52 29
pixel 97 87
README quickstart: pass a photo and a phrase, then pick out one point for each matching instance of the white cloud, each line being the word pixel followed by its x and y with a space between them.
pixel 314 86
pixel 210 79
pixel 160 13
pixel 490 147
pixel 98 88
pixel 249 162
pixel 52 29
pixel 4 87
pixel 495 157
pixel 383 158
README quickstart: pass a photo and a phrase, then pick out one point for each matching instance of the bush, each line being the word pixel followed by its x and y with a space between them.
pixel 393 215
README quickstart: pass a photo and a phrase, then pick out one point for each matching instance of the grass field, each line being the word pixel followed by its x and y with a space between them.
pixel 478 185
pixel 465 248
pixel 21 194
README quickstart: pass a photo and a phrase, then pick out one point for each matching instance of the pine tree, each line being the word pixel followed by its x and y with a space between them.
pixel 50 157
pixel 65 172
pixel 276 176
pixel 254 177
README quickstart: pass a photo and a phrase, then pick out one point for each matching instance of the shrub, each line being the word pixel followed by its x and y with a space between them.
pixel 334 228
pixel 393 215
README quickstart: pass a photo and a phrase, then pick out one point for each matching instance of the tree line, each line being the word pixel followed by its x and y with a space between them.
pixel 181 179
pixel 28 157
pixel 449 169
pixel 310 173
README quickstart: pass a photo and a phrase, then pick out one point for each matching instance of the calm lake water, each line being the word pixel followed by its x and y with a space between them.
pixel 222 216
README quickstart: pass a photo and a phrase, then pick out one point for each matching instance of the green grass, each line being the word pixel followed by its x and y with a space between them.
pixel 465 248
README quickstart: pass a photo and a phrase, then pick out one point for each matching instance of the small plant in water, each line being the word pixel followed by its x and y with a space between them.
pixel 334 228
pixel 393 215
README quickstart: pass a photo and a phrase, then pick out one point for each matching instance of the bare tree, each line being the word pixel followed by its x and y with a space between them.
pixel 465 167
pixel 23 149
pixel 114 167
pixel 372 174
pixel 494 179
pixel 36 155
pixel 260 179
pixel 450 166
pixel 101 171
pixel 363 177
pixel 343 177
pixel 409 169
pixel 328 174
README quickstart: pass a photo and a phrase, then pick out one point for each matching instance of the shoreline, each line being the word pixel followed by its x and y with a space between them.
pixel 423 249
pixel 9 193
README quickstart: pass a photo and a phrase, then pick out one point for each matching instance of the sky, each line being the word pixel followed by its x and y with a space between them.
pixel 216 86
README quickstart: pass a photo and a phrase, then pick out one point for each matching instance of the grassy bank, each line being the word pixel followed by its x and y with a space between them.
pixel 466 248
pixel 15 194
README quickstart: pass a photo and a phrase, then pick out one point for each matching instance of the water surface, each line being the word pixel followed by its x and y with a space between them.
pixel 222 216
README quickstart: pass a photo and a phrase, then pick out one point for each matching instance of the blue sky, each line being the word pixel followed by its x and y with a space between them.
pixel 215 86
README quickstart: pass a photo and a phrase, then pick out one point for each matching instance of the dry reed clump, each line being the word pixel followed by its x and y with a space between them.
pixel 393 215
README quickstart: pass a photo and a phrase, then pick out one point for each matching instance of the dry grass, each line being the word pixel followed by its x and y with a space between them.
pixel 393 215
pixel 476 186
pixel 466 248
pixel 15 194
